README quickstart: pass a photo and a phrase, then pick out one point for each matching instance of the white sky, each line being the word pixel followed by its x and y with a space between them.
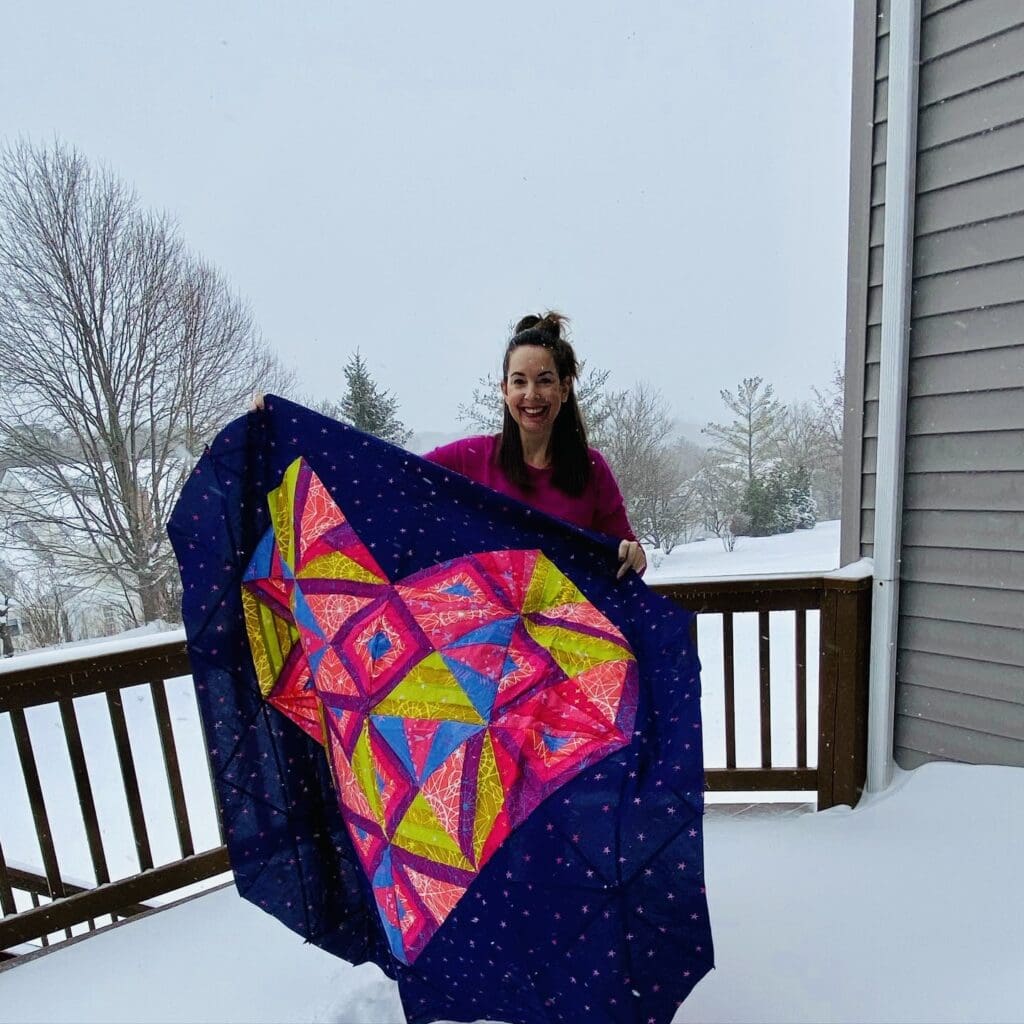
pixel 409 178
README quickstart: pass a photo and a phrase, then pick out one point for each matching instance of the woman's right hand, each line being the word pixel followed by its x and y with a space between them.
pixel 256 404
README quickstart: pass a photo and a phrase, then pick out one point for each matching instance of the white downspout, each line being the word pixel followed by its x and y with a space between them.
pixel 897 279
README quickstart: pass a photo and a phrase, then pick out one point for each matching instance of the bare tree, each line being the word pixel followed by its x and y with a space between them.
pixel 830 406
pixel 652 466
pixel 667 510
pixel 43 606
pixel 718 487
pixel 799 441
pixel 122 354
pixel 827 473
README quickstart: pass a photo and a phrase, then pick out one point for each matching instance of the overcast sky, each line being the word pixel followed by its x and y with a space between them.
pixel 409 178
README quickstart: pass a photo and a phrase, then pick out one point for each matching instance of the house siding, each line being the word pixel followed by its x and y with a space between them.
pixel 960 659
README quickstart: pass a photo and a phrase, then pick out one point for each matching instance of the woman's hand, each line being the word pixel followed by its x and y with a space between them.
pixel 632 556
pixel 257 401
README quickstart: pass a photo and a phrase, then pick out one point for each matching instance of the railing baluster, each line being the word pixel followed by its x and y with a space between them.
pixel 130 778
pixel 171 767
pixel 765 666
pixel 801 687
pixel 23 742
pixel 729 671
pixel 80 769
pixel 7 904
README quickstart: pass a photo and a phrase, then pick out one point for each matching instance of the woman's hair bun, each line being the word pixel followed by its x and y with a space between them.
pixel 551 325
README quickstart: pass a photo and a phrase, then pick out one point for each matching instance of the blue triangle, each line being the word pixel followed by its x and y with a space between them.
pixel 509 666
pixel 449 735
pixel 480 689
pixel 384 879
pixel 303 613
pixel 499 633
pixel 391 729
pixel 553 742
pixel 259 567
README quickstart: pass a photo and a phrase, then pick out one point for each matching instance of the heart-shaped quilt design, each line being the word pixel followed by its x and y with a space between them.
pixel 450 703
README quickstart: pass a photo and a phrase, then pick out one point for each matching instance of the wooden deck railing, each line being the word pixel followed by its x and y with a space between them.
pixel 57 906
pixel 844 608
pixel 68 905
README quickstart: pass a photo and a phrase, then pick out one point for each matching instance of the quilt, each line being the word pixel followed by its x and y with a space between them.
pixel 444 738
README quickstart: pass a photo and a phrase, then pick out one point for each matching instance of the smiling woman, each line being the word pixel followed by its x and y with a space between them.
pixel 541 456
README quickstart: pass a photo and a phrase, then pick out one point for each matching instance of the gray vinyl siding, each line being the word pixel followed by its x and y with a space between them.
pixel 960 665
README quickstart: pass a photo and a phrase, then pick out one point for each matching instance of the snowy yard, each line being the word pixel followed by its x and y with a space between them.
pixel 907 909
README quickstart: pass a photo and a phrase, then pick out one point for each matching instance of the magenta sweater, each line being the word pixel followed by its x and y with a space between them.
pixel 599 507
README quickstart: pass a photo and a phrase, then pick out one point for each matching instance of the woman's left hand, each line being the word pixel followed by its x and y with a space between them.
pixel 631 555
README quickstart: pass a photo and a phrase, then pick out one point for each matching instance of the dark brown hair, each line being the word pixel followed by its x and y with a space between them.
pixel 570 455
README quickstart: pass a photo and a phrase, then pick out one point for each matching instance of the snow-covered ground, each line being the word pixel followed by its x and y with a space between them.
pixel 908 909
pixel 804 551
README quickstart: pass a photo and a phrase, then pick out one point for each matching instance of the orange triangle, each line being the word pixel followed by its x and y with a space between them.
pixel 319 514
pixel 333 677
pixel 333 610
pixel 443 792
pixel 439 897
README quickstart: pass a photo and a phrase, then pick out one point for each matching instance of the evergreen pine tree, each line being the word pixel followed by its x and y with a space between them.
pixel 779 501
pixel 749 441
pixel 368 408
pixel 803 509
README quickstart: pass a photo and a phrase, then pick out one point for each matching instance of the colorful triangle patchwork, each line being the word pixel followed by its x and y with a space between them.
pixel 450 703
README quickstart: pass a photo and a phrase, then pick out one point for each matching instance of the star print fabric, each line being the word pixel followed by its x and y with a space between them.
pixel 573 887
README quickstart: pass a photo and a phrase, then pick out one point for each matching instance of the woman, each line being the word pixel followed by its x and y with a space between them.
pixel 541 455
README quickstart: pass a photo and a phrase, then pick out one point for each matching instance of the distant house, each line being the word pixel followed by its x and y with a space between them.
pixel 934 455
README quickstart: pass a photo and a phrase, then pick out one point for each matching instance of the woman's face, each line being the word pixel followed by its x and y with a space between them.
pixel 532 390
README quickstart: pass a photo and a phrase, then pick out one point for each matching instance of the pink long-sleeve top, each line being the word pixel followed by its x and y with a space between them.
pixel 599 507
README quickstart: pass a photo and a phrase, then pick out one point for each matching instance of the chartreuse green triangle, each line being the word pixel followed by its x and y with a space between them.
pixel 574 652
pixel 420 832
pixel 490 795
pixel 549 588
pixel 430 691
pixel 335 565
pixel 366 775
pixel 282 509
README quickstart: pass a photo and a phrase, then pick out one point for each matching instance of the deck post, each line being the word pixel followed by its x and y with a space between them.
pixel 845 631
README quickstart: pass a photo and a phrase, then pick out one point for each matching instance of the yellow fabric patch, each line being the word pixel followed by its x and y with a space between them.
pixel 430 691
pixel 420 832
pixel 282 506
pixel 575 652
pixel 549 586
pixel 366 776
pixel 337 566
pixel 269 638
pixel 490 795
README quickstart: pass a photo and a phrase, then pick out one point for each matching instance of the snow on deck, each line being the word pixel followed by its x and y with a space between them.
pixel 909 908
